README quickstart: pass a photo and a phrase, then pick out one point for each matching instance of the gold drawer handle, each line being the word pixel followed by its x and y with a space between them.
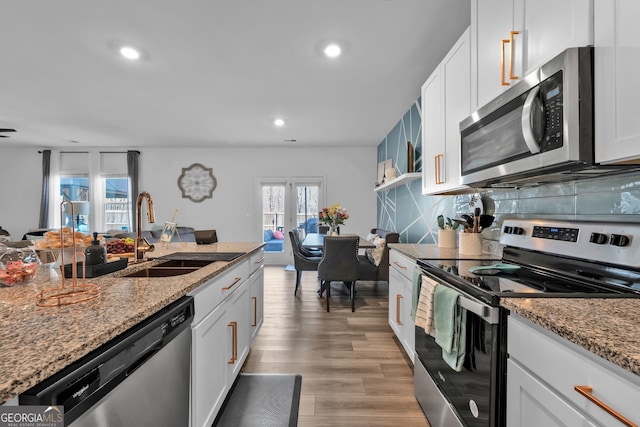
pixel 237 279
pixel 255 311
pixel 587 392
pixel 398 298
pixel 258 261
pixel 399 265
pixel 234 342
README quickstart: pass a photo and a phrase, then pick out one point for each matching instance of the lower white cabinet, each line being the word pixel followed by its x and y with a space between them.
pixel 400 297
pixel 543 371
pixel 231 307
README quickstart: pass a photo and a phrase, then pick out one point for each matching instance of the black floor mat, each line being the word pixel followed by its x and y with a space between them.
pixel 262 400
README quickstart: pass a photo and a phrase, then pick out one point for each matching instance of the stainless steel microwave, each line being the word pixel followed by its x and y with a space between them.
pixel 539 130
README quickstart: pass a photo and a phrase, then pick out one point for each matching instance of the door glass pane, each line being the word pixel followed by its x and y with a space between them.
pixel 273 202
pixel 75 189
pixel 307 208
pixel 116 206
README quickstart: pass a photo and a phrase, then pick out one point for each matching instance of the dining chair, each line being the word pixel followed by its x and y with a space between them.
pixel 339 263
pixel 301 262
pixel 308 252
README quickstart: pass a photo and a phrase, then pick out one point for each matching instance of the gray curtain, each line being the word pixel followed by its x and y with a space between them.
pixel 132 172
pixel 44 198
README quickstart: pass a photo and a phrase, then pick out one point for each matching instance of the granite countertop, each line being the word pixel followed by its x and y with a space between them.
pixel 36 342
pixel 433 251
pixel 608 327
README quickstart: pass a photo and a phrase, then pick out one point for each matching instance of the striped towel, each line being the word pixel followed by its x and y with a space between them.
pixel 424 312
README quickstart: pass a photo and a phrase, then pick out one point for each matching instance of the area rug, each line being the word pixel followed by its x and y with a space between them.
pixel 262 400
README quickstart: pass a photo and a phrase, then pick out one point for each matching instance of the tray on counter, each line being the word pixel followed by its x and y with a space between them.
pixel 97 270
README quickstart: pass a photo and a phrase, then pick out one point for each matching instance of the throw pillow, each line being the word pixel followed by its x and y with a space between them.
pixel 375 255
pixel 268 235
pixel 278 235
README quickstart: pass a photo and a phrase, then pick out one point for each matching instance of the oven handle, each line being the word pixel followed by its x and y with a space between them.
pixel 489 314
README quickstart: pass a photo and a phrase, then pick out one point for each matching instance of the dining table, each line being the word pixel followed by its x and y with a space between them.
pixel 316 241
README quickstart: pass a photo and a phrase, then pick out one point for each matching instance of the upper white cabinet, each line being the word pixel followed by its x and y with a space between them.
pixel 616 69
pixel 511 37
pixel 445 103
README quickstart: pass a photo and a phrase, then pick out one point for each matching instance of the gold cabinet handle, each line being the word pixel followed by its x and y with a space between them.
pixel 255 311
pixel 398 298
pixel 511 44
pixel 587 392
pixel 236 280
pixel 258 261
pixel 502 77
pixel 399 265
pixel 234 342
pixel 438 161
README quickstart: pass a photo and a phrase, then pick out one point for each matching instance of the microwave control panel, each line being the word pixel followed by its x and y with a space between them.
pixel 551 97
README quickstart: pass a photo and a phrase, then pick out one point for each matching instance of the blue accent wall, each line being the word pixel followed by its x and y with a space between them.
pixel 404 209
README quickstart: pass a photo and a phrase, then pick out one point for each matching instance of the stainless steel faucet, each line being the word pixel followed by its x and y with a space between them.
pixel 141 244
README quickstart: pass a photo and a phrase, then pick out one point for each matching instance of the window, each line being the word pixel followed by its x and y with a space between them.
pixel 97 184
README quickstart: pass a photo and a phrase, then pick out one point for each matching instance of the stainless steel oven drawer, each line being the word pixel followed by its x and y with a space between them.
pixel 433 403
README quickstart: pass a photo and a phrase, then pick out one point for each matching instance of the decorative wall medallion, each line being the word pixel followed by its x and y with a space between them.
pixel 197 182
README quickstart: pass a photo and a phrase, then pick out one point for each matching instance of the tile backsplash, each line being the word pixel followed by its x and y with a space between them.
pixel 406 210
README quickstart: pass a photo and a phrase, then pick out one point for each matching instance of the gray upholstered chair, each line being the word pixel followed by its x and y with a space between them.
pixel 308 252
pixel 339 263
pixel 301 262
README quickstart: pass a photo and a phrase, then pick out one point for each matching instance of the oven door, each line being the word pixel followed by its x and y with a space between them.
pixel 476 394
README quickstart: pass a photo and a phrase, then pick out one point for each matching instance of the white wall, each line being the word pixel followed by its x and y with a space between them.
pixel 349 172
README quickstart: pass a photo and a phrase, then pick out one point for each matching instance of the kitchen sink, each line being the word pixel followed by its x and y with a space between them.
pixel 162 271
pixel 194 263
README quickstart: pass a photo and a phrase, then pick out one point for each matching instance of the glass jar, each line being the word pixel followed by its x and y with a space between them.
pixel 18 266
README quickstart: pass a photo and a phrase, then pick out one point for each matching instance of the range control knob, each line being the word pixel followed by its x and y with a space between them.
pixel 518 230
pixel 619 240
pixel 598 238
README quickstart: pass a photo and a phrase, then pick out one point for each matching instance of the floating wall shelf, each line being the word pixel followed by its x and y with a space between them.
pixel 402 179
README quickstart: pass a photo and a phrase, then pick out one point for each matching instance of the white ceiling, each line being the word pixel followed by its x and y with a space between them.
pixel 216 72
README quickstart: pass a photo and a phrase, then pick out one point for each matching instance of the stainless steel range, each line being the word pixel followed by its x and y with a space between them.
pixel 541 259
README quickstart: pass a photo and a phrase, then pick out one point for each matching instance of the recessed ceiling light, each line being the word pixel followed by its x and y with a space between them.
pixel 332 50
pixel 130 53
pixel 278 122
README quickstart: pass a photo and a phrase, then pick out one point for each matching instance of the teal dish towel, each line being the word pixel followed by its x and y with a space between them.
pixel 415 295
pixel 450 321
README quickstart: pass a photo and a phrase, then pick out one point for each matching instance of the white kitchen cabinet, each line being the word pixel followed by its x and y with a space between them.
pixel 445 103
pixel 616 70
pixel 543 370
pixel 223 331
pixel 400 294
pixel 511 37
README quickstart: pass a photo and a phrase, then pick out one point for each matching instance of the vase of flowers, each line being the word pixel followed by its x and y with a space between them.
pixel 333 216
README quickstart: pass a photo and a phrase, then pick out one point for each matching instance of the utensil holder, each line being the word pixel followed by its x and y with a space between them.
pixel 447 238
pixel 470 243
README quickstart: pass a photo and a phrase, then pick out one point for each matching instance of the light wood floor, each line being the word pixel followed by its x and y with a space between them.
pixel 354 371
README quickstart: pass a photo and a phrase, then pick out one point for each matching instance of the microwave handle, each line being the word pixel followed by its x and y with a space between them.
pixel 527 125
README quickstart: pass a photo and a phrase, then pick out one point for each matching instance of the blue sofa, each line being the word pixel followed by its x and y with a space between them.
pixel 273 243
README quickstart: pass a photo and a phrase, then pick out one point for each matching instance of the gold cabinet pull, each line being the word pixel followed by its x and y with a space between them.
pixel 399 265
pixel 438 161
pixel 258 261
pixel 398 298
pixel 587 392
pixel 255 311
pixel 234 342
pixel 502 76
pixel 511 34
pixel 236 280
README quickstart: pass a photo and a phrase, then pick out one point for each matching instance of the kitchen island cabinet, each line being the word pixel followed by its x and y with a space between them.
pixel 400 297
pixel 37 342
pixel 545 372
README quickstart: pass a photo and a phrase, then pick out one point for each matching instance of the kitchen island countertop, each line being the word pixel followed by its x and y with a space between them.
pixel 36 342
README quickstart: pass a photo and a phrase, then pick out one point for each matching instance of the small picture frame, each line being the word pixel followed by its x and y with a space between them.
pixel 168 231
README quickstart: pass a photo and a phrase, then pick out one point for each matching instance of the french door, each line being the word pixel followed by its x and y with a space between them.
pixel 287 203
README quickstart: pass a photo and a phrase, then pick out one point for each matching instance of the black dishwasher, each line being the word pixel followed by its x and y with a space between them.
pixel 139 378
